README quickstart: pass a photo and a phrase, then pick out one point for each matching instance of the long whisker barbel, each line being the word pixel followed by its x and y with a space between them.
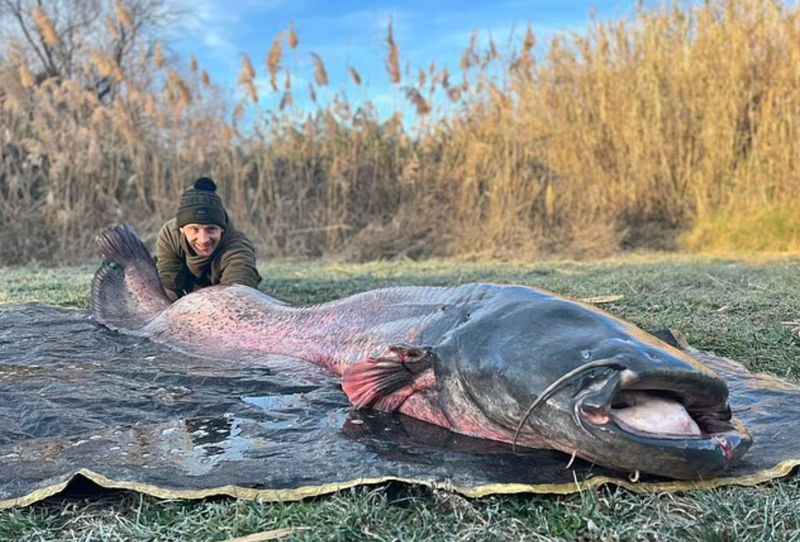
pixel 552 388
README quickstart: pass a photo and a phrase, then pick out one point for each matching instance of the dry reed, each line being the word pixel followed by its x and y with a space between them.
pixel 124 15
pixel 393 60
pixel 45 27
pixel 247 76
pixel 274 60
pixel 158 56
pixel 682 120
pixel 320 73
pixel 354 75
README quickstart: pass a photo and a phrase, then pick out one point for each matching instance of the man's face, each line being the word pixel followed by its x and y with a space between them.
pixel 203 238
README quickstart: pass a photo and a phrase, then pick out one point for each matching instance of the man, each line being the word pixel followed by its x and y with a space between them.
pixel 200 247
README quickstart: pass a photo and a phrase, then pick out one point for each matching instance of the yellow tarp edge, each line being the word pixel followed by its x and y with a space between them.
pixel 281 495
pixel 275 495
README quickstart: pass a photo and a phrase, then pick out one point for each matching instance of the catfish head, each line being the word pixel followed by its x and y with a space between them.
pixel 542 371
pixel 536 370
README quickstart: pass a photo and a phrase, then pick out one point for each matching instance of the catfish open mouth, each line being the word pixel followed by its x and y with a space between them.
pixel 657 414
pixel 657 405
pixel 678 426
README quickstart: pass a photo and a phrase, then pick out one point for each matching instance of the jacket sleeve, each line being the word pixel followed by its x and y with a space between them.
pixel 238 265
pixel 169 261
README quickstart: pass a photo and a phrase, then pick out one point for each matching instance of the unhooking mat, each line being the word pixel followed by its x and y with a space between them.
pixel 77 399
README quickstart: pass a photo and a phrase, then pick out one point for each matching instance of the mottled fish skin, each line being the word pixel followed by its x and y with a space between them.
pixel 472 358
pixel 247 324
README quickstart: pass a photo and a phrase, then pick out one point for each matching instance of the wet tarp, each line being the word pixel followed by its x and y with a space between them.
pixel 77 399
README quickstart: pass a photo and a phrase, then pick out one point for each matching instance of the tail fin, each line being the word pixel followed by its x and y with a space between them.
pixel 126 290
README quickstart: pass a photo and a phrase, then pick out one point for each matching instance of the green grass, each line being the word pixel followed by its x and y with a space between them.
pixel 734 308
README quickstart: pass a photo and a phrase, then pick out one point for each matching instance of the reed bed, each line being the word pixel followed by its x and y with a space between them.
pixel 674 128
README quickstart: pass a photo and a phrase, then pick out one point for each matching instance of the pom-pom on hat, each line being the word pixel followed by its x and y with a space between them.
pixel 200 204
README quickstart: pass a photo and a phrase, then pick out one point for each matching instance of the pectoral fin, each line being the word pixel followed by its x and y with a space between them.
pixel 385 381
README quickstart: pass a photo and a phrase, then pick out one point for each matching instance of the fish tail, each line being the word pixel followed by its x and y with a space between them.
pixel 126 290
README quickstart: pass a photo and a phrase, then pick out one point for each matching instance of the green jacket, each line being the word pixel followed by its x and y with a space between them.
pixel 182 271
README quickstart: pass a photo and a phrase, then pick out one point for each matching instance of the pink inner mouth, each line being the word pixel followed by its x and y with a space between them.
pixel 648 414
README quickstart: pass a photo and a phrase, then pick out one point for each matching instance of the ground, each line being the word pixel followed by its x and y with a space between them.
pixel 742 308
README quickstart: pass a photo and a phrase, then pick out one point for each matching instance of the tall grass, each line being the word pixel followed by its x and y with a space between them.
pixel 624 136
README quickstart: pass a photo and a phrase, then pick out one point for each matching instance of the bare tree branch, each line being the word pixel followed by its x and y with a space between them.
pixel 83 28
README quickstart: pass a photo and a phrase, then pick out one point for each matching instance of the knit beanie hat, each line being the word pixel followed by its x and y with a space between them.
pixel 200 204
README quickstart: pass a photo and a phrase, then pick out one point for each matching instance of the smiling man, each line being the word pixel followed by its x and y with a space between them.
pixel 200 247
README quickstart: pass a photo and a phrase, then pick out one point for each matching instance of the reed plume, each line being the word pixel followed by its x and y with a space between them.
pixel 247 77
pixel 26 77
pixel 354 75
pixel 124 15
pixel 421 104
pixel 158 55
pixel 45 27
pixel 393 60
pixel 107 67
pixel 320 74
pixel 274 60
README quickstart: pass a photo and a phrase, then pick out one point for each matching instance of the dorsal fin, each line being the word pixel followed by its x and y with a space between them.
pixel 126 290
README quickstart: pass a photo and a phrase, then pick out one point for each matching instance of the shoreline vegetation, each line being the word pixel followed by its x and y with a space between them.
pixel 675 129
pixel 738 309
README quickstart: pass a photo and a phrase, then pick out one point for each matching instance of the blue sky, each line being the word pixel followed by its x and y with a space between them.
pixel 353 33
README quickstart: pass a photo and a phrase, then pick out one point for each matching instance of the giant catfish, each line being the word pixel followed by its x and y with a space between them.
pixel 501 362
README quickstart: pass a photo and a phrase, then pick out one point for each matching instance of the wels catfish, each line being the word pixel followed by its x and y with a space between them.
pixel 507 363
